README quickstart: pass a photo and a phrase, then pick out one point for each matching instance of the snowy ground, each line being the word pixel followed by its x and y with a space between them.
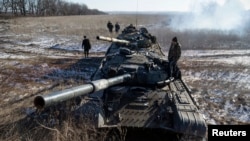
pixel 219 79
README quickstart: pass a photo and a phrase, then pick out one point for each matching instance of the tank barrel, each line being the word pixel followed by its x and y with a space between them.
pixel 93 86
pixel 115 40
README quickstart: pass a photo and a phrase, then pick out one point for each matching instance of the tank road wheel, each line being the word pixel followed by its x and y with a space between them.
pixel 113 135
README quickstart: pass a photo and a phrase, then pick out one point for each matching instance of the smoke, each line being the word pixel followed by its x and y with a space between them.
pixel 229 15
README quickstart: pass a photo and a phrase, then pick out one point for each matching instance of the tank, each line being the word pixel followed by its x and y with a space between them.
pixel 137 94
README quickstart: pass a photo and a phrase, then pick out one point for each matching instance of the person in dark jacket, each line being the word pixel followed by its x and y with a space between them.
pixel 110 26
pixel 86 46
pixel 174 55
pixel 117 27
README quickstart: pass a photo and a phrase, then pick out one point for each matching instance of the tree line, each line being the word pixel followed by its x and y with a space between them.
pixel 44 8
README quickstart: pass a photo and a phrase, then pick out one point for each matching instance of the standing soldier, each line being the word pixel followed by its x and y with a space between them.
pixel 86 46
pixel 173 55
pixel 117 27
pixel 110 26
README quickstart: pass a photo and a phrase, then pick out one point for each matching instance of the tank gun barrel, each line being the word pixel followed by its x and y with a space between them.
pixel 93 86
pixel 114 40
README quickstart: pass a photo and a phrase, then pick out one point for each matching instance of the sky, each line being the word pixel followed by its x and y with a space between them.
pixel 149 5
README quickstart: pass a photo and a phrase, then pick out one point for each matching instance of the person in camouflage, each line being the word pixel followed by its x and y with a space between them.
pixel 174 55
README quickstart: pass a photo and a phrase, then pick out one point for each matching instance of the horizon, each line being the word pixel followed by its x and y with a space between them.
pixel 156 5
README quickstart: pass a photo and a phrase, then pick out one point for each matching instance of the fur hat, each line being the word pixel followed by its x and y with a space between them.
pixel 174 39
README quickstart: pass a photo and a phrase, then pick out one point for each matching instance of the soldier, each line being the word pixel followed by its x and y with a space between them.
pixel 117 27
pixel 86 46
pixel 129 29
pixel 173 55
pixel 110 26
pixel 131 26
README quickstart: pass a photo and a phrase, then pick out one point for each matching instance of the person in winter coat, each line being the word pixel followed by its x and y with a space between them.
pixel 117 27
pixel 86 46
pixel 174 55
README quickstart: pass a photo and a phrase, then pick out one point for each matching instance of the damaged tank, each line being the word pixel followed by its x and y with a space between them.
pixel 138 95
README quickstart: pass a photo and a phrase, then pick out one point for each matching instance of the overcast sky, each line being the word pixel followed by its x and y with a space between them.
pixel 148 5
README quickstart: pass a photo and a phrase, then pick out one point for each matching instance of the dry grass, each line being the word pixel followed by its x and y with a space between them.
pixel 77 26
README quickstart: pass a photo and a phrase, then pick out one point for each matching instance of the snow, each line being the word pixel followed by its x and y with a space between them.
pixel 201 53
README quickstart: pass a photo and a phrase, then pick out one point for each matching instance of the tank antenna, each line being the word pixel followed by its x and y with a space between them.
pixel 136 14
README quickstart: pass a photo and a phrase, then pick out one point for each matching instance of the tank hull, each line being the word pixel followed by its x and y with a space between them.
pixel 151 101
pixel 170 108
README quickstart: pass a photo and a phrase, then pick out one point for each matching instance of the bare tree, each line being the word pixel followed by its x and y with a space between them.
pixel 45 8
pixel 6 4
pixel 1 6
pixel 21 6
pixel 31 5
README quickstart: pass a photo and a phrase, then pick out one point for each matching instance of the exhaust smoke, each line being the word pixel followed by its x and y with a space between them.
pixel 228 15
